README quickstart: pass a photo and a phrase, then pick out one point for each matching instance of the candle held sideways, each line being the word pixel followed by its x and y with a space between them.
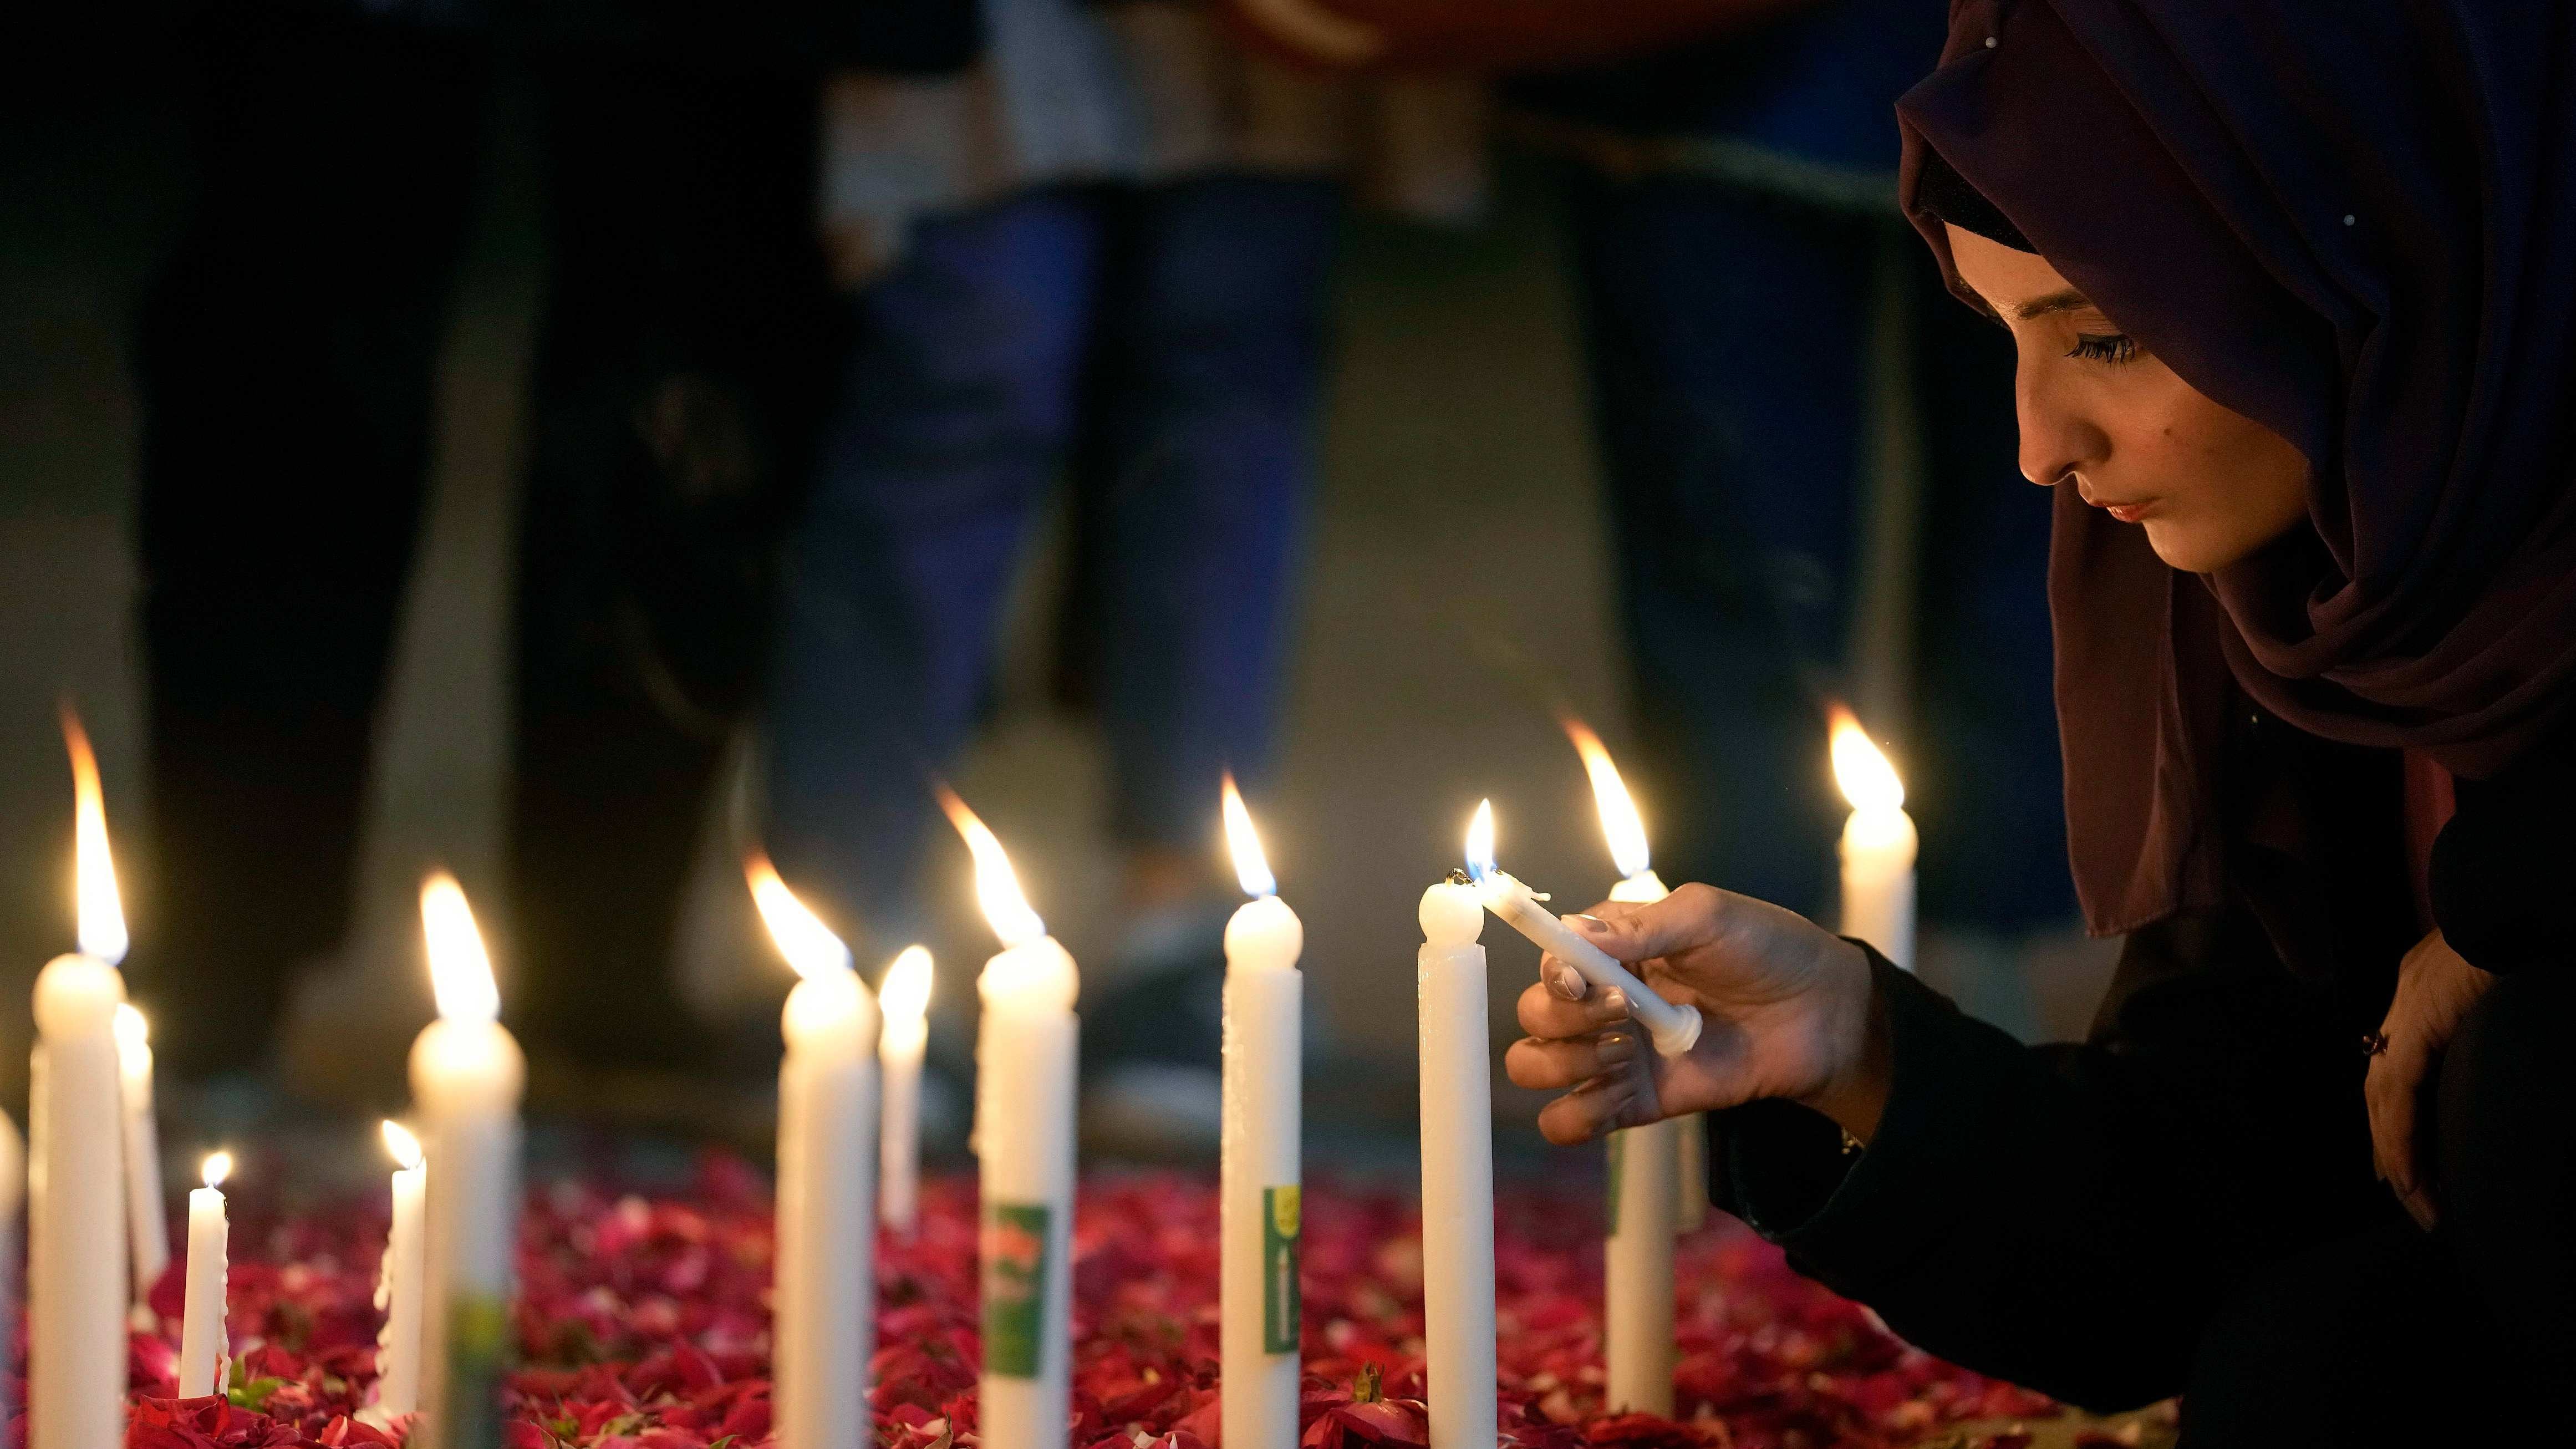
pixel 1259 1194
pixel 823 1321
pixel 1672 1028
pixel 79 1246
pixel 205 1349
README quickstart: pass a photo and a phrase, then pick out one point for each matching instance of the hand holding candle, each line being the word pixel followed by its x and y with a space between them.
pixel 1673 1027
pixel 1259 1195
pixel 205 1350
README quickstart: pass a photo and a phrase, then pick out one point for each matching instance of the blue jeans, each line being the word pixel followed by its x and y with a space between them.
pixel 1160 346
pixel 1728 337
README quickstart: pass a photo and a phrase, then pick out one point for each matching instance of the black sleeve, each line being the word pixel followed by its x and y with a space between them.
pixel 2502 868
pixel 2066 1217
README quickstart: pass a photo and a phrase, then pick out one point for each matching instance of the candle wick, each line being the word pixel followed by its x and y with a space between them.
pixel 1458 876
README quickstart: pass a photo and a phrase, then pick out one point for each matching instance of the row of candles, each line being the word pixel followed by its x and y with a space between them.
pixel 849 1092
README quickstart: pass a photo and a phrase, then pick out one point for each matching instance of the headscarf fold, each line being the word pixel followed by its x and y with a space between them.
pixel 2355 225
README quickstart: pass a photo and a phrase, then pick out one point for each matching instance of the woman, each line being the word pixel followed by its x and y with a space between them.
pixel 2293 289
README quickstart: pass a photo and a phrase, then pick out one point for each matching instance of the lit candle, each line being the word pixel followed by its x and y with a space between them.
pixel 142 1154
pixel 1026 1049
pixel 1258 1197
pixel 1457 1166
pixel 205 1351
pixel 1672 1028
pixel 1878 845
pixel 399 1292
pixel 1645 1170
pixel 905 996
pixel 77 1238
pixel 823 1296
pixel 467 1074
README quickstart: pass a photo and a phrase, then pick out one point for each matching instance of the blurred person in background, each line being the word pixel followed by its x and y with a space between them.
pixel 1737 241
pixel 288 354
pixel 1097 253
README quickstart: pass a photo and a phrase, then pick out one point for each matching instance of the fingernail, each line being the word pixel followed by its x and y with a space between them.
pixel 1589 925
pixel 1615 1000
pixel 1565 982
pixel 1616 1049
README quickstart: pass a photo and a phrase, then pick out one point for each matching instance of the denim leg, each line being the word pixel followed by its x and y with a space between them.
pixel 1725 334
pixel 1198 457
pixel 1994 789
pixel 953 419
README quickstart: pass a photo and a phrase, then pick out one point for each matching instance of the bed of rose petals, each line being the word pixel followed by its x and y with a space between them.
pixel 643 1325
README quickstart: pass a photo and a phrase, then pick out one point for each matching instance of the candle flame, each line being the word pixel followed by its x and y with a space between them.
pixel 905 996
pixel 1620 824
pixel 1868 781
pixel 102 912
pixel 460 972
pixel 133 1031
pixel 997 889
pixel 1251 867
pixel 1480 841
pixel 399 1141
pixel 219 1165
pixel 802 938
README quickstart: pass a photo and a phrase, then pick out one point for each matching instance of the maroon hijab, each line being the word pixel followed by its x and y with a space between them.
pixel 2355 224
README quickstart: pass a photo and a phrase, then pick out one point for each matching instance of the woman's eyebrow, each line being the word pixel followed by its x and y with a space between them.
pixel 2068 300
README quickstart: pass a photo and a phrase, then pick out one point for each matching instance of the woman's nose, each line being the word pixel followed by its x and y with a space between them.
pixel 2056 440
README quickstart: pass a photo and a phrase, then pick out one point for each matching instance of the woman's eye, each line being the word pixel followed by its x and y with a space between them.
pixel 2103 346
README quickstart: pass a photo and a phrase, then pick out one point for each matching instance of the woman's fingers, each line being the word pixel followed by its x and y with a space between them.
pixel 1597 1106
pixel 1545 1013
pixel 1547 1065
pixel 2393 1091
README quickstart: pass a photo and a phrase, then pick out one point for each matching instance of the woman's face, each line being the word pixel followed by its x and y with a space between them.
pixel 2210 486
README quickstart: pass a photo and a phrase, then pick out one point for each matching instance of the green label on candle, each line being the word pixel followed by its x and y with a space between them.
pixel 1015 1283
pixel 478 1346
pixel 1281 1305
pixel 1618 1160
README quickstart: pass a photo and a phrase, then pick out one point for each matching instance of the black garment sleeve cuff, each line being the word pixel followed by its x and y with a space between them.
pixel 1850 1218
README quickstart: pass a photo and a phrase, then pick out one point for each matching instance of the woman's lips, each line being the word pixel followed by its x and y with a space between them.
pixel 2131 512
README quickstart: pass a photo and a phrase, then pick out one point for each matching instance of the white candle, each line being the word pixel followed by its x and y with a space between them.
pixel 1689 1133
pixel 1878 845
pixel 77 1246
pixel 1644 1177
pixel 906 999
pixel 399 1283
pixel 1672 1028
pixel 205 1350
pixel 467 1074
pixel 823 1297
pixel 1027 1046
pixel 1457 1169
pixel 142 1152
pixel 1259 1196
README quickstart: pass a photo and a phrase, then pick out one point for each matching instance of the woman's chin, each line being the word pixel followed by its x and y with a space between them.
pixel 2188 549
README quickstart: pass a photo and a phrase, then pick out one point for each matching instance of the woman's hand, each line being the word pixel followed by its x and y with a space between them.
pixel 1790 1012
pixel 2435 988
